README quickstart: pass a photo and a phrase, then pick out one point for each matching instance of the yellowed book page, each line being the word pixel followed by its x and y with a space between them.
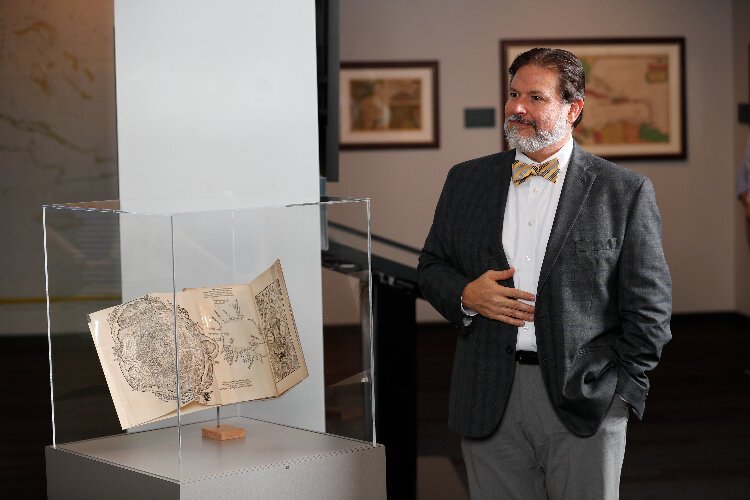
pixel 118 398
pixel 278 328
pixel 186 409
pixel 242 367
pixel 136 346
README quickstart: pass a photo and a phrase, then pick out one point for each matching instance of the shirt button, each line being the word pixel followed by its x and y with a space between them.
pixel 526 328
pixel 527 258
pixel 509 349
pixel 531 223
pixel 534 190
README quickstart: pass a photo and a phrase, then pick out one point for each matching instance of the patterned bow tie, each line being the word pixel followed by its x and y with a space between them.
pixel 548 170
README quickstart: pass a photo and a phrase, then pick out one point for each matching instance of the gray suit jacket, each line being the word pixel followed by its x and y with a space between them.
pixel 603 302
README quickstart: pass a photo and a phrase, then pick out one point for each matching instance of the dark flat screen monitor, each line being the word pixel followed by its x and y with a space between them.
pixel 327 36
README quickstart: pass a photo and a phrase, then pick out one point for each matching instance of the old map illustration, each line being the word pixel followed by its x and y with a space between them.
pixel 235 343
pixel 144 348
pixel 276 330
pixel 627 100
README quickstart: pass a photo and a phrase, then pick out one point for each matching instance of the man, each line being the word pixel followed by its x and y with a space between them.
pixel 743 187
pixel 550 262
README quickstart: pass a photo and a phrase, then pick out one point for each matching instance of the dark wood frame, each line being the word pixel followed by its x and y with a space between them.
pixel 678 42
pixel 432 142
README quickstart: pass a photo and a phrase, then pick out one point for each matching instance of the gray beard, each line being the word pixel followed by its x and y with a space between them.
pixel 540 139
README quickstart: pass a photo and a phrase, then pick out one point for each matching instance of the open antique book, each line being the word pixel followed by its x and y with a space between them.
pixel 236 343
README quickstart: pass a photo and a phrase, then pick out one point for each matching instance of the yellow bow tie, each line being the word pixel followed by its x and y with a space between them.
pixel 548 170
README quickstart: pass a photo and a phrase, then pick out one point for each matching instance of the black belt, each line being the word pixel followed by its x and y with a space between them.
pixel 527 357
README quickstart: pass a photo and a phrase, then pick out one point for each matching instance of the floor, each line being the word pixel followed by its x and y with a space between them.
pixel 692 444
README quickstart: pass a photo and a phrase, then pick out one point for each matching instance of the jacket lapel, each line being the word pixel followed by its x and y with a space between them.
pixel 499 184
pixel 578 181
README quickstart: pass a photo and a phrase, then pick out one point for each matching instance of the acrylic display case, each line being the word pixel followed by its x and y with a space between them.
pixel 127 265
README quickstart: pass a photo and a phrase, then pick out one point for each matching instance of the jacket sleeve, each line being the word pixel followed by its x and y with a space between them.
pixel 439 274
pixel 644 298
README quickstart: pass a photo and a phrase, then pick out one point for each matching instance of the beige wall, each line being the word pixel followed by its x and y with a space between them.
pixel 57 135
pixel 695 195
pixel 741 13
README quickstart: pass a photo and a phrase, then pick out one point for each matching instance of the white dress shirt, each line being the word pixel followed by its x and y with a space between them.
pixel 527 224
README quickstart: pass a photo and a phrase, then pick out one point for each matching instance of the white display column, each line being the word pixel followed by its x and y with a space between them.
pixel 216 102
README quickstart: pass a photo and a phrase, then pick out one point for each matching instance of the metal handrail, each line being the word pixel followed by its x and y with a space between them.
pixel 375 237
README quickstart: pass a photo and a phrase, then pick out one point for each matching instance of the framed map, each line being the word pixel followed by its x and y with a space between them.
pixel 635 94
pixel 388 105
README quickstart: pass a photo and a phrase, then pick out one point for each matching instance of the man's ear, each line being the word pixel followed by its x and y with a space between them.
pixel 575 109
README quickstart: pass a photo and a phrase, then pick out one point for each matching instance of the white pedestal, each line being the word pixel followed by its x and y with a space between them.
pixel 273 461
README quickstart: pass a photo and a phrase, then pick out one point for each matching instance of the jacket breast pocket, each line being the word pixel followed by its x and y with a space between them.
pixel 595 265
pixel 598 255
pixel 600 245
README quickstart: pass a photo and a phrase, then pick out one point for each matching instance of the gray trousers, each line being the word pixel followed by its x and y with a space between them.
pixel 532 455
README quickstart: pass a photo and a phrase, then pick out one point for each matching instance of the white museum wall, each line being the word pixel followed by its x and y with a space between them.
pixel 740 15
pixel 215 100
pixel 694 195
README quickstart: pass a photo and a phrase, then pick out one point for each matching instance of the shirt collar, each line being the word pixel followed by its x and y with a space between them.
pixel 563 156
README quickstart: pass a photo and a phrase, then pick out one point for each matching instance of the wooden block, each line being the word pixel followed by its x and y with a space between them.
pixel 223 432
